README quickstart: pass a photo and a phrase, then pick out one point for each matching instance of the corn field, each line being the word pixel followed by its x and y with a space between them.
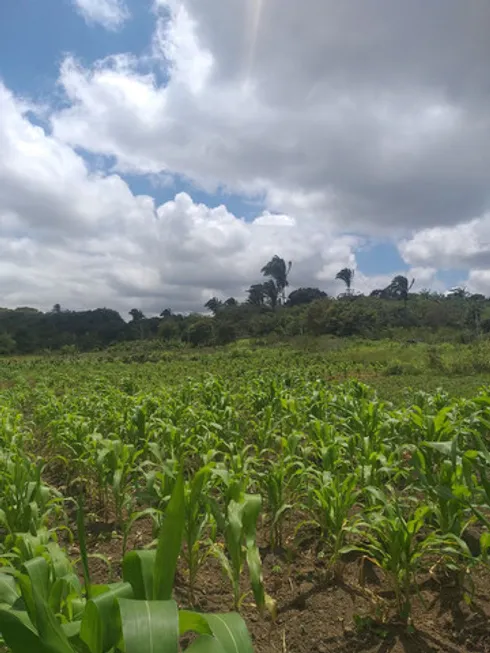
pixel 222 470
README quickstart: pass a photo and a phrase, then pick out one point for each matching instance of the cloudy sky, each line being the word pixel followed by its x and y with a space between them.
pixel 154 153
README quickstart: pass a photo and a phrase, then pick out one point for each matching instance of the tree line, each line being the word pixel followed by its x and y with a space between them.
pixel 268 311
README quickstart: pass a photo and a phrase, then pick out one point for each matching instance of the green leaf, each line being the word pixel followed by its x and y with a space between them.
pixel 50 632
pixel 442 447
pixel 82 541
pixel 485 543
pixel 193 621
pixel 149 626
pixel 231 632
pixel 138 567
pixel 101 627
pixel 255 570
pixel 18 632
pixel 169 543
pixel 205 644
pixel 8 589
pixel 37 570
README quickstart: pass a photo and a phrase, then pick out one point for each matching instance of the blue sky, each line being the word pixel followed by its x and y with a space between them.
pixel 149 123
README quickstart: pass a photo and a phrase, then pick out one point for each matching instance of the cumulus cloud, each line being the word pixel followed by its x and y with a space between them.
pixel 111 14
pixel 82 239
pixel 341 119
pixel 366 113
pixel 466 245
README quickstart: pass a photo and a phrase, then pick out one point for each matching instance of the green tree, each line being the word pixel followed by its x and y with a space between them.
pixel 305 296
pixel 224 333
pixel 459 292
pixel 278 270
pixel 136 314
pixel 271 292
pixel 347 276
pixel 400 287
pixel 214 305
pixel 7 344
pixel 256 294
pixel 200 333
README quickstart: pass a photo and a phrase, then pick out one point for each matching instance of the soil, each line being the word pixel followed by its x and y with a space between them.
pixel 317 614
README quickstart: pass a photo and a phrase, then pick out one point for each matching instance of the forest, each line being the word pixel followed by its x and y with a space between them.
pixel 268 311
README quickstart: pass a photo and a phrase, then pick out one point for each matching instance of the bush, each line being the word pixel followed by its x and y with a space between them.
pixel 200 333
pixel 7 344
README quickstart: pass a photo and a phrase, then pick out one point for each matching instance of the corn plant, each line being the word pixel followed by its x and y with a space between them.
pixel 330 502
pixel 26 502
pixel 196 518
pixel 399 546
pixel 276 481
pixel 237 523
pixel 134 616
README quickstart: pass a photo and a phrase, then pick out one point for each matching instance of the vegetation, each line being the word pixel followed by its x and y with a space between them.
pixel 223 462
pixel 268 443
pixel 392 312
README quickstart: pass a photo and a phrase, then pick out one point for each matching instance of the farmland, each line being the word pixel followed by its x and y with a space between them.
pixel 336 495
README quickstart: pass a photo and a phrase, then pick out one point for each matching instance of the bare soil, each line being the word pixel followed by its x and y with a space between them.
pixel 317 614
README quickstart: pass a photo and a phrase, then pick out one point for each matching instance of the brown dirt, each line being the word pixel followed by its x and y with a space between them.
pixel 319 615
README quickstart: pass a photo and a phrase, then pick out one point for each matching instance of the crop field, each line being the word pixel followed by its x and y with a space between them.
pixel 337 500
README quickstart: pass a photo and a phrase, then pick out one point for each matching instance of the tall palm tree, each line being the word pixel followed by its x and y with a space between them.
pixel 278 270
pixel 347 276
pixel 400 287
pixel 213 304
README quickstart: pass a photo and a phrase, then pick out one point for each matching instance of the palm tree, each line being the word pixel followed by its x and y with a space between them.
pixel 213 304
pixel 271 291
pixel 278 270
pixel 399 287
pixel 347 276
pixel 459 292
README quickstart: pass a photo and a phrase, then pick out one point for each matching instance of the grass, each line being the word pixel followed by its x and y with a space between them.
pixel 394 369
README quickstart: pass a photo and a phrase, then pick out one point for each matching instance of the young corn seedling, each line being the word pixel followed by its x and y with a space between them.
pixel 135 616
pixel 276 480
pixel 331 500
pixel 26 502
pixel 237 523
pixel 196 518
pixel 399 547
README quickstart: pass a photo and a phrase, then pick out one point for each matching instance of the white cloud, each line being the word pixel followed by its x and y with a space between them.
pixel 331 127
pixel 265 98
pixel 85 240
pixel 464 246
pixel 111 14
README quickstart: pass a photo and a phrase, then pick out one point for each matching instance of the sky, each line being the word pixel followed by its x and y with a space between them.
pixel 155 153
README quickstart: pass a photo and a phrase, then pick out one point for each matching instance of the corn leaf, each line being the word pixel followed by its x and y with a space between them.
pixel 193 621
pixel 101 627
pixel 169 543
pixel 231 632
pixel 52 636
pixel 149 626
pixel 18 632
pixel 8 590
pixel 82 541
pixel 37 570
pixel 138 567
pixel 206 644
